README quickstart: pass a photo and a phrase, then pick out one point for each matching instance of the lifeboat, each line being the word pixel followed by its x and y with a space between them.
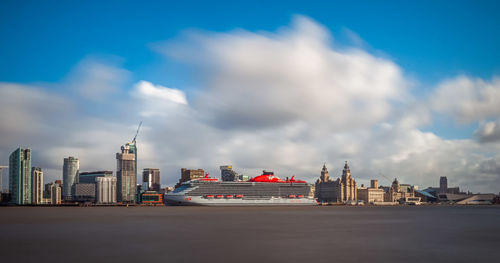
pixel 239 196
pixel 300 196
pixel 209 196
pixel 219 196
pixel 291 196
pixel 229 196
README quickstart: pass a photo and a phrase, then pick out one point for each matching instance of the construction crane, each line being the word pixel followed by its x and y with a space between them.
pixel 137 132
pixel 381 174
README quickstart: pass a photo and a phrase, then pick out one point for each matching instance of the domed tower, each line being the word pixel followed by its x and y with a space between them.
pixel 348 185
pixel 346 173
pixel 324 174
pixel 395 186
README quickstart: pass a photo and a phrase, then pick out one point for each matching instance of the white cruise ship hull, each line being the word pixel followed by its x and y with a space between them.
pixel 183 200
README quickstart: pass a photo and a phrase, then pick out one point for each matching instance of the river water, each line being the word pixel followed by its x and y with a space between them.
pixel 250 234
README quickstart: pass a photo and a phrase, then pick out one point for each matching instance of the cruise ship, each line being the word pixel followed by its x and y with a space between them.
pixel 265 189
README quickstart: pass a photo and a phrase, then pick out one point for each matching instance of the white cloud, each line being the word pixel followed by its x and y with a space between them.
pixel 261 80
pixel 147 89
pixel 467 99
pixel 488 131
pixel 95 79
pixel 26 110
pixel 158 100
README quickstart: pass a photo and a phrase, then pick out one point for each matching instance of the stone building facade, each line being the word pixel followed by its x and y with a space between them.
pixel 190 174
pixel 342 190
pixel 227 173
pixel 371 194
pixel 396 194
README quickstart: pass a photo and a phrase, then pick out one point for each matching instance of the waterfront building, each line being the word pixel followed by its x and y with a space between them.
pixel 106 190
pixel 397 193
pixel 371 194
pixel 91 177
pixel 478 199
pixel 20 176
pixel 348 185
pixel 71 168
pixel 53 193
pixel 408 187
pixel 126 174
pixel 189 174
pixel 443 184
pixel 443 189
pixel 342 190
pixel 152 198
pixel 326 190
pixel 425 196
pixel 84 192
pixel 36 186
pixel 86 188
pixel 151 179
pixel 1 176
pixel 227 173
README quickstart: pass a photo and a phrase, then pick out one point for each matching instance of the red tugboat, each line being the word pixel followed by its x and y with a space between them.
pixel 265 189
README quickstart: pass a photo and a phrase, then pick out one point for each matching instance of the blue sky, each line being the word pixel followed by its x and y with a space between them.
pixel 431 39
pixel 57 46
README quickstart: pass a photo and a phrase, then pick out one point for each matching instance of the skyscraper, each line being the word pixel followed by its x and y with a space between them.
pixel 126 173
pixel 36 185
pixel 71 168
pixel 20 176
pixel 151 179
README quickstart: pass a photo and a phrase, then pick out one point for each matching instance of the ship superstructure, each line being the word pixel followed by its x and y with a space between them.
pixel 265 189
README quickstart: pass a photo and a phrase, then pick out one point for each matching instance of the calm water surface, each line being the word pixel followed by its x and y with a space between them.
pixel 250 234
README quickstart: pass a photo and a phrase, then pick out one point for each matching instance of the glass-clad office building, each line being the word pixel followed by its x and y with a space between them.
pixel 20 176
pixel 71 168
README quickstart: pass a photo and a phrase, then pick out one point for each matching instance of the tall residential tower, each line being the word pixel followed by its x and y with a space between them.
pixel 36 185
pixel 20 176
pixel 71 168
